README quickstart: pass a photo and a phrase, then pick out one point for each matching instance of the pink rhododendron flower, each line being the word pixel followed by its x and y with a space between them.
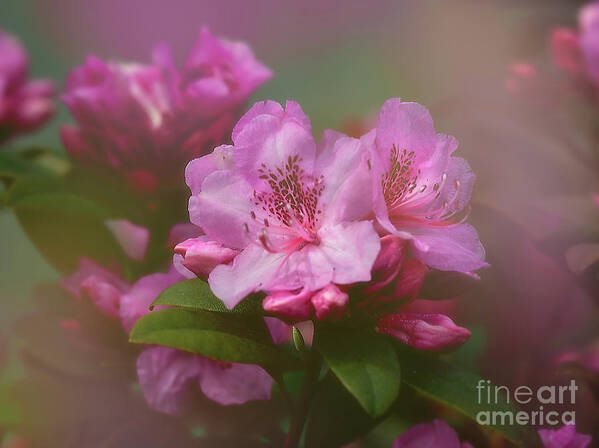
pixel 147 121
pixel 103 287
pixel 166 374
pixel 565 437
pixel 24 105
pixel 420 190
pixel 436 434
pixel 294 209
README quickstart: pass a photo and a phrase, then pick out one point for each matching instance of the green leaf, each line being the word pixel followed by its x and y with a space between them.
pixel 195 294
pixel 365 363
pixel 225 337
pixel 62 225
pixel 336 418
pixel 454 387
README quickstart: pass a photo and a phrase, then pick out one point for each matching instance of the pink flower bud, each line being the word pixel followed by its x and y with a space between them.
pixel 424 331
pixel 387 264
pixel 103 287
pixel 24 104
pixel 329 303
pixel 201 256
pixel 410 280
pixel 288 305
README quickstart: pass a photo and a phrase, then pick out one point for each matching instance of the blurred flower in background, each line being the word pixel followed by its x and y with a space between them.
pixel 147 121
pixel 24 105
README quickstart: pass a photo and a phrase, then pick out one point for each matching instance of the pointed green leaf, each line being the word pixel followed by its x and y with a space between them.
pixel 365 363
pixel 195 294
pixel 220 336
pixel 336 418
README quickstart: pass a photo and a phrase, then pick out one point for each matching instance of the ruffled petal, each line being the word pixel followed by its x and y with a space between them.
pixel 164 374
pixel 406 126
pixel 347 195
pixel 136 303
pixel 229 384
pixel 249 272
pixel 451 248
pixel 351 249
pixel 199 169
pixel 222 208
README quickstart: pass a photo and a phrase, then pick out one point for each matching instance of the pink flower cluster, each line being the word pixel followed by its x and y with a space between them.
pixel 148 121
pixel 24 105
pixel 165 374
pixel 312 224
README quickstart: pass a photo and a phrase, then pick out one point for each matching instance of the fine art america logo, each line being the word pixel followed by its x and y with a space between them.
pixel 489 394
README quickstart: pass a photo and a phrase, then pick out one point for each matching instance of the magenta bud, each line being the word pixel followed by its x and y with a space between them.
pixel 424 331
pixel 201 257
pixel 329 303
pixel 410 280
pixel 387 264
pixel 288 305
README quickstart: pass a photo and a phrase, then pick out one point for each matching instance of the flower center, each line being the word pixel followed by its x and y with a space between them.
pixel 399 181
pixel 292 199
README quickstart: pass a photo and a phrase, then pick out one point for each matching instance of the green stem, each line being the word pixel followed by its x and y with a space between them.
pixel 313 365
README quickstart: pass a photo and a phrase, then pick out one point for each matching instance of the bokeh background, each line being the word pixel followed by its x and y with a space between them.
pixel 340 60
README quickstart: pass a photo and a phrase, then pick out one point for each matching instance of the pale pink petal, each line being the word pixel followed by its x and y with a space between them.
pixel 270 141
pixel 436 434
pixel 132 238
pixel 424 331
pixel 406 126
pixel 249 272
pixel 198 169
pixel 351 249
pixel 457 188
pixel 229 384
pixel 164 374
pixel 347 194
pixel 450 248
pixel 222 208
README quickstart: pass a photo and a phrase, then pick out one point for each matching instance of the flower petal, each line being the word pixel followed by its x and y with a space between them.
pixel 136 303
pixel 229 384
pixel 451 248
pixel 164 374
pixel 406 126
pixel 248 273
pixel 351 249
pixel 347 195
pixel 222 208
pixel 198 169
